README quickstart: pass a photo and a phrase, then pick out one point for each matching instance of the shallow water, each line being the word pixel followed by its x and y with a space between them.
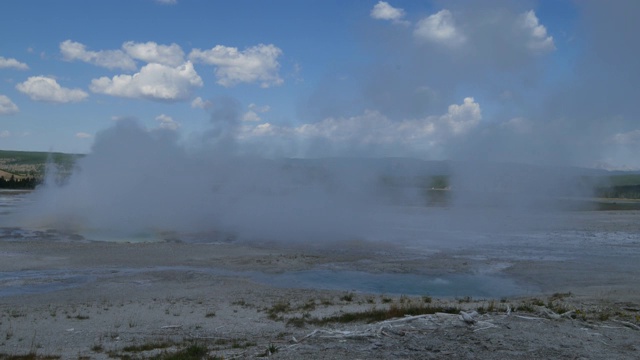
pixel 459 285
pixel 418 231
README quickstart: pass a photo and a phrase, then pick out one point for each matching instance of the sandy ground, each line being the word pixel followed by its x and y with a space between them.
pixel 62 295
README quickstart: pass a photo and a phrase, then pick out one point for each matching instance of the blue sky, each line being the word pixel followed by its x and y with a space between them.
pixel 549 81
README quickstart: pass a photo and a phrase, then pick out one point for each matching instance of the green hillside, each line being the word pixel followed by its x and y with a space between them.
pixel 21 164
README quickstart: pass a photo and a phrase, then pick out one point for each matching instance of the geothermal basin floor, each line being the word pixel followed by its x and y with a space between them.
pixel 570 290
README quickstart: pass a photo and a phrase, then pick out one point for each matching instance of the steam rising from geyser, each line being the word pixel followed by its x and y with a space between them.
pixel 137 180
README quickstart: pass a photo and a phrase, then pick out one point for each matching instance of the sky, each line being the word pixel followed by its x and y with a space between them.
pixel 551 82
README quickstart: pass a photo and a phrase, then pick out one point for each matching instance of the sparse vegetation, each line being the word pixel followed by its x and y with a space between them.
pixel 375 314
pixel 271 349
pixel 276 309
pixel 29 356
pixel 386 300
pixel 192 352
pixel 348 297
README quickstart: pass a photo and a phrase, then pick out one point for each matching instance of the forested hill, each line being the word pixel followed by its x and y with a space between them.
pixel 24 169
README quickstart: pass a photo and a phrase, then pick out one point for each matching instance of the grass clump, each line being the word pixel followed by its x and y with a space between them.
pixel 147 346
pixel 29 356
pixel 537 302
pixel 271 349
pixel 525 307
pixel 559 296
pixel 78 317
pixel 310 305
pixel 348 297
pixel 192 352
pixel 278 308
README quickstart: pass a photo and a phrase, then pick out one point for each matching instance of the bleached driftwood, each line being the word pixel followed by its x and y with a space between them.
pixel 628 324
pixel 171 327
pixel 400 326
pixel 468 317
pixel 529 317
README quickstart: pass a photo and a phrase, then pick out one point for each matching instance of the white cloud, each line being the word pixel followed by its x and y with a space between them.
pixel 518 125
pixel 83 135
pixel 260 109
pixel 12 63
pixel 253 114
pixel 201 104
pixel 440 28
pixel 150 52
pixel 167 122
pixel 538 41
pixel 154 82
pixel 383 11
pixel 461 118
pixel 42 88
pixel 626 138
pixel 5 134
pixel 374 128
pixel 123 118
pixel 7 107
pixel 255 64
pixel 111 59
pixel 167 2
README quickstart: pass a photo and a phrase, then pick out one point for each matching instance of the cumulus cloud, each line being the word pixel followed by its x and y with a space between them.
pixel 83 135
pixel 201 104
pixel 374 128
pixel 538 40
pixel 383 11
pixel 440 28
pixel 154 82
pixel 124 118
pixel 251 116
pixel 167 122
pixel 626 138
pixel 42 88
pixel 255 64
pixel 7 107
pixel 151 52
pixel 110 59
pixel 518 125
pixel 254 111
pixel 5 134
pixel 12 63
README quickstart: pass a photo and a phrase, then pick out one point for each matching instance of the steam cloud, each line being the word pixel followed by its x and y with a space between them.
pixel 136 179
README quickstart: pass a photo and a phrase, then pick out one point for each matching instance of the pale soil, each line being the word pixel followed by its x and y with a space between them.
pixel 123 294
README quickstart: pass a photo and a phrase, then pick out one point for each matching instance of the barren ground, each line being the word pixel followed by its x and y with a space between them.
pixel 73 298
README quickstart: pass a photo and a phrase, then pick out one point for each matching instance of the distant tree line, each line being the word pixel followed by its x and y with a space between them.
pixel 619 192
pixel 20 184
